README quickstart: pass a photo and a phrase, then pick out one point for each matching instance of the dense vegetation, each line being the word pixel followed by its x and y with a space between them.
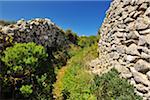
pixel 110 87
pixel 29 72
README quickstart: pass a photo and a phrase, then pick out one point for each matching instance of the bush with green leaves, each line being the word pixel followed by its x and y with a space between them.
pixel 27 63
pixel 110 86
pixel 86 41
pixel 26 55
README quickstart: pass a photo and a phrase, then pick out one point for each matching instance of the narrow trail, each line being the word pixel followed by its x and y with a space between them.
pixel 58 84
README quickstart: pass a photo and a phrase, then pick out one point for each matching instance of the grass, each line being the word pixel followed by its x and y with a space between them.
pixel 73 77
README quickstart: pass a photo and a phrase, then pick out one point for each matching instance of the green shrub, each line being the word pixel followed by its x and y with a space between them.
pixel 25 55
pixel 111 87
pixel 27 63
pixel 85 41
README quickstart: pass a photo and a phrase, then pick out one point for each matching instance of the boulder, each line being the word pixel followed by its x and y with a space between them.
pixel 132 50
pixel 132 35
pixel 136 14
pixel 128 19
pixel 140 24
pixel 139 93
pixel 143 6
pixel 141 88
pixel 147 31
pixel 142 66
pixel 142 1
pixel 139 77
pixel 141 41
pixel 130 58
pixel 146 95
pixel 132 81
pixel 147 38
pixel 121 49
pixel 124 71
pixel 114 55
pixel 143 49
pixel 147 12
pixel 148 75
pixel 145 55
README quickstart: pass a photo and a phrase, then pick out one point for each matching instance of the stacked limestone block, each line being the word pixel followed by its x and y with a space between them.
pixel 40 31
pixel 125 41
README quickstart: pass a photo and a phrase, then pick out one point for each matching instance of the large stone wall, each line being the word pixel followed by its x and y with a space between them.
pixel 40 31
pixel 125 43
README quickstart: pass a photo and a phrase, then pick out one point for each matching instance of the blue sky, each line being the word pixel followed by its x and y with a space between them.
pixel 83 17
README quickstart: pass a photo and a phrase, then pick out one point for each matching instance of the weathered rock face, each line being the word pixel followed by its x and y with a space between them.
pixel 40 31
pixel 125 38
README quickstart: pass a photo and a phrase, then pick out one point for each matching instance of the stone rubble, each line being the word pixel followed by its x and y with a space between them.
pixel 125 41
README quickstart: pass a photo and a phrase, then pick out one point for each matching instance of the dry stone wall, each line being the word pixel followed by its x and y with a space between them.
pixel 125 42
pixel 40 31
